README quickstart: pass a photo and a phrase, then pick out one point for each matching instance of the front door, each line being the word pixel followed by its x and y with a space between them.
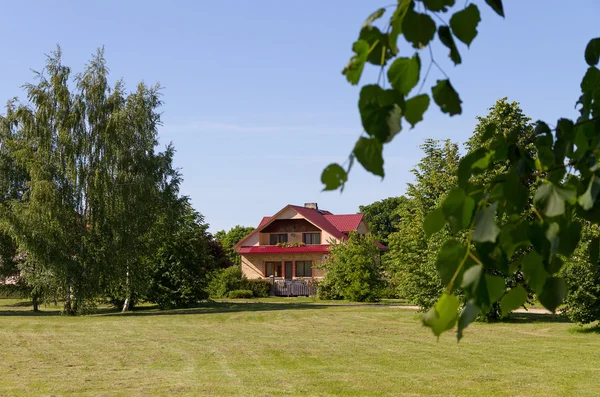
pixel 289 270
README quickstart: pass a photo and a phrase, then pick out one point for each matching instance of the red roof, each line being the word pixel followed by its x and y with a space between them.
pixel 272 249
pixel 345 223
pixel 318 219
pixel 336 225
pixel 263 221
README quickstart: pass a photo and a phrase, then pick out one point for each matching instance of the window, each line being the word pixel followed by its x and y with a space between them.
pixel 311 238
pixel 278 238
pixel 273 269
pixel 303 269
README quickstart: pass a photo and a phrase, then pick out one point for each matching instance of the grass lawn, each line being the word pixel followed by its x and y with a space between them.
pixel 282 349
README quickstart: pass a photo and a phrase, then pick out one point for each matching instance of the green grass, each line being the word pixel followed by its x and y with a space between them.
pixel 300 349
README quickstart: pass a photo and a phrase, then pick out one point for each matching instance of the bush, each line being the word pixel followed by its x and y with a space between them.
pixel 15 291
pixel 225 281
pixel 260 287
pixel 353 270
pixel 241 294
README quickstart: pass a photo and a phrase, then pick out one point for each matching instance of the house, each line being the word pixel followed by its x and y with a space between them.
pixel 293 242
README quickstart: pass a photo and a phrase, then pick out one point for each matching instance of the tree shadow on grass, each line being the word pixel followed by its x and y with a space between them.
pixel 595 329
pixel 217 307
pixel 29 313
pixel 527 318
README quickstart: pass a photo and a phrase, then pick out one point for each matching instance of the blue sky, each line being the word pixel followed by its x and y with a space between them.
pixel 254 101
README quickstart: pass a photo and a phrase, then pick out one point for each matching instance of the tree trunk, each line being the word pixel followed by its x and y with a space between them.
pixel 36 304
pixel 127 303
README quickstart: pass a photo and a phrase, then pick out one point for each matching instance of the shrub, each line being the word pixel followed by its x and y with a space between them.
pixel 15 291
pixel 241 294
pixel 353 270
pixel 225 281
pixel 260 287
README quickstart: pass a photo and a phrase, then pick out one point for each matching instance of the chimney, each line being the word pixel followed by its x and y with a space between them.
pixel 312 206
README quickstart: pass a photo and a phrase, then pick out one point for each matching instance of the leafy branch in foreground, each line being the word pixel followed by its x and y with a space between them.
pixel 501 222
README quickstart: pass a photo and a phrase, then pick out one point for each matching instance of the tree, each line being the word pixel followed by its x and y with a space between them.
pixel 93 179
pixel 412 256
pixel 582 273
pixel 382 217
pixel 561 168
pixel 230 238
pixel 180 268
pixel 353 270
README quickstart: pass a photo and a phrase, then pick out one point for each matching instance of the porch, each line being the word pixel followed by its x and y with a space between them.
pixel 293 288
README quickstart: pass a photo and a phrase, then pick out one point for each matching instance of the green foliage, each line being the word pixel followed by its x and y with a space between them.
pixel 382 217
pixel 464 23
pixel 260 288
pixel 353 270
pixel 240 294
pixel 412 257
pixel 582 275
pixel 226 280
pixel 368 152
pixel 179 269
pixel 230 238
pixel 13 291
pixel 425 266
pixel 88 200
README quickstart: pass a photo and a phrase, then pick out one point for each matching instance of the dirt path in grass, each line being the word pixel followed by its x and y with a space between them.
pixel 521 310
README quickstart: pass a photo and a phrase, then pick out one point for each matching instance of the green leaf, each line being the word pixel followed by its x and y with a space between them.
pixel 356 65
pixel 553 293
pixel 373 17
pixel 415 107
pixel 514 191
pixel 464 23
pixel 458 209
pixel 587 199
pixel 594 251
pixel 442 317
pixel 448 261
pixel 333 176
pixel 446 38
pixel 553 198
pixel 489 132
pixel 591 80
pixel 541 128
pixel 467 316
pixel 485 225
pixel 552 237
pixel 495 287
pixel 369 153
pixel 438 5
pixel 515 298
pixel 446 97
pixel 434 222
pixel 379 50
pixel 496 6
pixel 380 112
pixel 404 74
pixel 465 166
pixel 534 271
pixel 512 238
pixel 396 25
pixel 592 52
pixel 569 238
pixel 418 28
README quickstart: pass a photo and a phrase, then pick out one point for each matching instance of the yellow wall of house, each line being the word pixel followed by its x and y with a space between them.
pixel 253 265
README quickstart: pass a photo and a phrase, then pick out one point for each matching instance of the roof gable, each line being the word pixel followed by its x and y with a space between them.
pixel 336 225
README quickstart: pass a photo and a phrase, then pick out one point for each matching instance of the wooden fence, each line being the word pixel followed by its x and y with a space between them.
pixel 293 288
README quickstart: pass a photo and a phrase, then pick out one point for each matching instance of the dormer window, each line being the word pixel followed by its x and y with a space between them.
pixel 277 238
pixel 311 238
